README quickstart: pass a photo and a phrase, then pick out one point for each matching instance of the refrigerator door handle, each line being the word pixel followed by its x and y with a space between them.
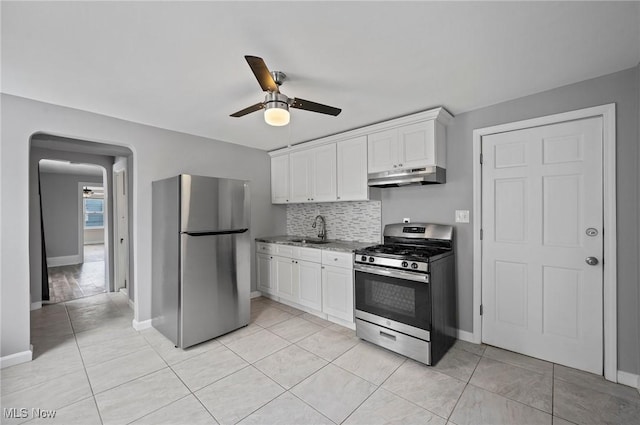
pixel 218 232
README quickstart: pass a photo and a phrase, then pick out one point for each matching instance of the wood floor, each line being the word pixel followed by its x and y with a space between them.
pixel 79 280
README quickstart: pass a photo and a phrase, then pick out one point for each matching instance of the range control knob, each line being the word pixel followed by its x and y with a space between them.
pixel 414 265
pixel 364 258
pixel 405 264
pixel 371 259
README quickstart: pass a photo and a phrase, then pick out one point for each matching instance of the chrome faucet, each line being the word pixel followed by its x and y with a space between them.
pixel 322 233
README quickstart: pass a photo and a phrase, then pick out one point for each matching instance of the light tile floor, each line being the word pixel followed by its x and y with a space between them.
pixel 286 367
pixel 79 280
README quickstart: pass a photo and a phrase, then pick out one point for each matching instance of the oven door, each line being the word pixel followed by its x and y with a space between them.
pixel 393 298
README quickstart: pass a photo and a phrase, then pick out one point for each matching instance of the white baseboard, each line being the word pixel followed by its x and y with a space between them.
pixel 629 379
pixel 36 306
pixel 139 326
pixel 64 261
pixel 466 336
pixel 256 294
pixel 17 358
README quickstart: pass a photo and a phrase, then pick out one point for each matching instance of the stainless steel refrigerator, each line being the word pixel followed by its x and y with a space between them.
pixel 200 257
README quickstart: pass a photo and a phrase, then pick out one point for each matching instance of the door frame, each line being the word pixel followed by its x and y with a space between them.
pixel 116 228
pixel 608 114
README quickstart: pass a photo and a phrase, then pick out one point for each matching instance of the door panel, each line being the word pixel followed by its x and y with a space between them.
pixel 382 150
pixel 324 173
pixel 209 203
pixel 352 170
pixel 541 190
pixel 211 303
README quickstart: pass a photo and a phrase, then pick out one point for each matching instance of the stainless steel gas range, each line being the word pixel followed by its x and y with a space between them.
pixel 405 291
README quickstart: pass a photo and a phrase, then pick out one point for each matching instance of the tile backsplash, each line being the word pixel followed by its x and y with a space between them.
pixel 354 221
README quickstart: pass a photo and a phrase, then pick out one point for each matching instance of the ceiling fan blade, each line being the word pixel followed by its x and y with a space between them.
pixel 248 110
pixel 262 73
pixel 308 105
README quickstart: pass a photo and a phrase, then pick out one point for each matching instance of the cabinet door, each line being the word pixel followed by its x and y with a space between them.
pixel 309 280
pixel 265 273
pixel 416 145
pixel 280 179
pixel 323 173
pixel 383 151
pixel 352 170
pixel 337 292
pixel 301 169
pixel 285 287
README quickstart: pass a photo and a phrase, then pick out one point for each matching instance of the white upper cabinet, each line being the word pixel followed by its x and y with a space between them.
pixel 415 145
pixel 280 179
pixel 300 166
pixel 324 173
pixel 352 170
pixel 313 174
pixel 383 150
pixel 336 168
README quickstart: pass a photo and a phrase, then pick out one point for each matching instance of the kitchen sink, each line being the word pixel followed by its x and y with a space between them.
pixel 310 241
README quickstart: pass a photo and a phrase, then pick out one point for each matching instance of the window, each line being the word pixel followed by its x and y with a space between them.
pixel 93 212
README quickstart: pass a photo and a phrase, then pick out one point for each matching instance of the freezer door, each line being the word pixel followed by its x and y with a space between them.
pixel 215 283
pixel 210 204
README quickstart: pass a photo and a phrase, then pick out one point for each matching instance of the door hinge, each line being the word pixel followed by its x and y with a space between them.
pixel 481 310
pixel 480 158
pixel 481 234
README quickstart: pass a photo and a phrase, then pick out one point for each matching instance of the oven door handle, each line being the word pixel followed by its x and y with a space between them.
pixel 423 278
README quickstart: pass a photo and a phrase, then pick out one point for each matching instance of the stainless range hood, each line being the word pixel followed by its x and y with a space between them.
pixel 395 178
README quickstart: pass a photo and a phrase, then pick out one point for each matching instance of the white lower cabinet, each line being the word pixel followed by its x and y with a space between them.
pixel 265 280
pixel 285 283
pixel 337 292
pixel 309 280
pixel 320 280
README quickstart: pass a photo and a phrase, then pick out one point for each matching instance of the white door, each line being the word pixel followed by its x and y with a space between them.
pixel 122 232
pixel 541 221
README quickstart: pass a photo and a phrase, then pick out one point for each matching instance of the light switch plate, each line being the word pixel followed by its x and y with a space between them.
pixel 462 216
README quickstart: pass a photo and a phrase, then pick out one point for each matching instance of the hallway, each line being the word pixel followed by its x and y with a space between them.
pixel 79 280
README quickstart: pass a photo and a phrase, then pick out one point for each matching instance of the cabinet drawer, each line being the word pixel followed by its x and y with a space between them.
pixel 338 259
pixel 265 248
pixel 309 254
pixel 285 250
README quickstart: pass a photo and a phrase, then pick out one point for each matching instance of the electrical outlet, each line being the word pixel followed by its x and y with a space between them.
pixel 406 220
pixel 462 216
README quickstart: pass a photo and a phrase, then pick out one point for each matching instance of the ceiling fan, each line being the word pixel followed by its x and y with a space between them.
pixel 276 104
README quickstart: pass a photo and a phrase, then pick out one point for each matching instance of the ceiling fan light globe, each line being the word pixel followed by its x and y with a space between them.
pixel 276 116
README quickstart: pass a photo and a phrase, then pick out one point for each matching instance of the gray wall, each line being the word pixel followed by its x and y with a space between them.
pixel 438 203
pixel 60 211
pixel 157 154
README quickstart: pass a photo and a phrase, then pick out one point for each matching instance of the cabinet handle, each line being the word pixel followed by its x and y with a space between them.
pixel 395 166
pixel 338 197
pixel 335 259
pixel 399 165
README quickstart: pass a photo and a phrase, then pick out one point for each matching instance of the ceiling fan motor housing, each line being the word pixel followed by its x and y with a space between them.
pixel 276 100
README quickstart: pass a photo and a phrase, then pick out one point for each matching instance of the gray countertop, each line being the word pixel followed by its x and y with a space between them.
pixel 331 245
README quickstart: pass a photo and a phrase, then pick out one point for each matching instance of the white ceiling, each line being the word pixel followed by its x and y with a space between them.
pixel 66 167
pixel 180 65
